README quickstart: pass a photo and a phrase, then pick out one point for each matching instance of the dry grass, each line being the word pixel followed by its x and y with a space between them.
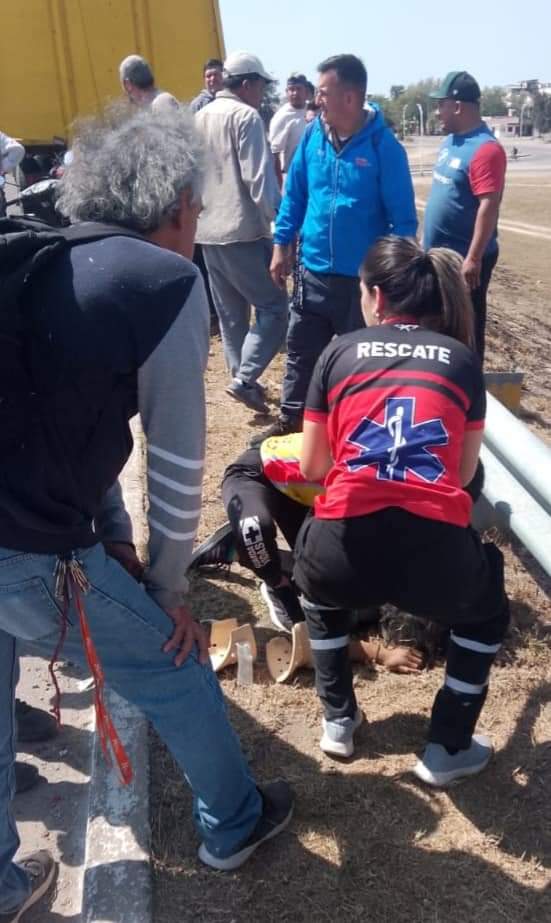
pixel 367 841
pixel 525 203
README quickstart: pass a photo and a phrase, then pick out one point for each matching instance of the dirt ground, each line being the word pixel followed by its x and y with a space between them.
pixel 367 841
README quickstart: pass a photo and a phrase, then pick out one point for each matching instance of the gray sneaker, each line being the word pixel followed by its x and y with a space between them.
pixel 439 768
pixel 248 395
pixel 41 869
pixel 338 735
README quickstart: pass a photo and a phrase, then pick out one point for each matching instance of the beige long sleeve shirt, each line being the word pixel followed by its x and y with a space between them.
pixel 240 194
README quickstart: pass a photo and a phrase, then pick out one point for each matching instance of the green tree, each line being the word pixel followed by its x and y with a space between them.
pixel 541 112
pixel 385 104
pixel 492 101
pixel 396 90
pixel 413 94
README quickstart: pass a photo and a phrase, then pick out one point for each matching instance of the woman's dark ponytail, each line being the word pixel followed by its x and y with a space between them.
pixel 426 285
pixel 457 306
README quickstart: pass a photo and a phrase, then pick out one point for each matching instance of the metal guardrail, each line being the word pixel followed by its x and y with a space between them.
pixel 517 488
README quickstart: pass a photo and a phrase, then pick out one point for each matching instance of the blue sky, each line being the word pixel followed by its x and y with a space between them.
pixel 401 41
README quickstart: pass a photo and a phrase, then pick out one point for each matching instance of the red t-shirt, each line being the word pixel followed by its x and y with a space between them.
pixel 397 400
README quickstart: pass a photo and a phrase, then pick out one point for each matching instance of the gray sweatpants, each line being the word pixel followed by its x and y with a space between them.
pixel 239 279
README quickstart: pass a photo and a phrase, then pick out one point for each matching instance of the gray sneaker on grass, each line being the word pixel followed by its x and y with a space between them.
pixel 439 768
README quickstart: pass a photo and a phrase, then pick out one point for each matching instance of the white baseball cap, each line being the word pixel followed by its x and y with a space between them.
pixel 242 63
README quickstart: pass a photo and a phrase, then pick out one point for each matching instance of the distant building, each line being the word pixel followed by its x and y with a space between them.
pixel 528 87
pixel 503 126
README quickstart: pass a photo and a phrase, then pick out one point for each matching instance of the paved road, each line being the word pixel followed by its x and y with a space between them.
pixel 534 156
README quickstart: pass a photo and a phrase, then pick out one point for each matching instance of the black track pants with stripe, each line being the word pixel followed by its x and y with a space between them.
pixel 426 567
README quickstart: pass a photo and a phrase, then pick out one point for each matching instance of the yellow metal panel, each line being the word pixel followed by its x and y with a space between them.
pixel 59 59
pixel 184 33
pixel 30 97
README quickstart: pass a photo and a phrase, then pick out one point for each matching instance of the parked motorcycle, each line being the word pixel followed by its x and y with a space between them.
pixel 39 177
pixel 38 201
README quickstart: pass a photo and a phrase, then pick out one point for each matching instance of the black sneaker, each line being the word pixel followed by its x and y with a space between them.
pixel 26 777
pixel 277 810
pixel 33 724
pixel 283 605
pixel 249 395
pixel 282 427
pixel 41 869
pixel 218 550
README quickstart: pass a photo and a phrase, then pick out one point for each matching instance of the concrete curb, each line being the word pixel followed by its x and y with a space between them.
pixel 117 884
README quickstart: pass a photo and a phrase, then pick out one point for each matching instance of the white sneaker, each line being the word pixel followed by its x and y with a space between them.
pixel 338 735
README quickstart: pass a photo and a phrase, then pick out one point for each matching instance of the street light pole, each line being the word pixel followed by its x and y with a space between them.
pixel 404 108
pixel 421 120
pixel 421 134
pixel 527 102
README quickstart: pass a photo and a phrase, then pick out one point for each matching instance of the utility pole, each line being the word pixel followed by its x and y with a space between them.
pixel 527 102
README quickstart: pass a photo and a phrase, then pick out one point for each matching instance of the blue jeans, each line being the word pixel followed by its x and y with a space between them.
pixel 185 705
pixel 240 277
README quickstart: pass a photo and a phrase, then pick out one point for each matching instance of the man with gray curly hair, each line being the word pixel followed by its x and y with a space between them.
pixel 138 83
pixel 118 324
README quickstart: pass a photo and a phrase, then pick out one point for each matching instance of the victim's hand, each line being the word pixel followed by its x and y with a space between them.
pixel 402 660
pixel 187 632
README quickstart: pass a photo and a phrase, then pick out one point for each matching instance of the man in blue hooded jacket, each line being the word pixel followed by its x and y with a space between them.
pixel 348 184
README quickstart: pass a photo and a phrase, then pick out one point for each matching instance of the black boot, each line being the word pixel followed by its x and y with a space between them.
pixel 282 427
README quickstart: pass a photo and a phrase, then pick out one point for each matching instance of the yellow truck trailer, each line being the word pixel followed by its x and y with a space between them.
pixel 59 59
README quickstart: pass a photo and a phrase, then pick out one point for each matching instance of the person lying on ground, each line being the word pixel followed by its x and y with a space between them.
pixel 263 490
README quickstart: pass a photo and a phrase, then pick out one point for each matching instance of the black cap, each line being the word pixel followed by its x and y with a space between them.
pixel 458 85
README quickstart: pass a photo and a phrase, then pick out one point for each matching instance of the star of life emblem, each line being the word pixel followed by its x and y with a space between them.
pixel 399 445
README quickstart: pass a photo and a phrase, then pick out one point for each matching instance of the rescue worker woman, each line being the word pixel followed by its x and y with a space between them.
pixel 393 423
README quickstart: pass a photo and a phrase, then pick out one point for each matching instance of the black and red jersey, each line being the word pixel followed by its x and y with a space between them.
pixel 397 400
